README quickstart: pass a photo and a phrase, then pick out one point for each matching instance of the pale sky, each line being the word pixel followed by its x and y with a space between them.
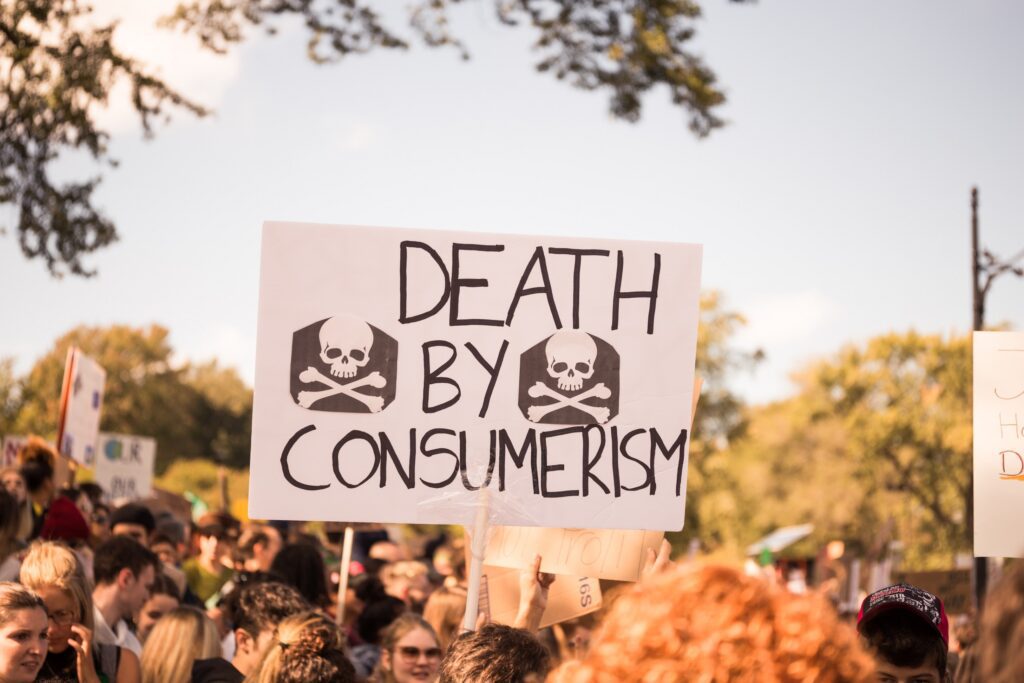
pixel 833 207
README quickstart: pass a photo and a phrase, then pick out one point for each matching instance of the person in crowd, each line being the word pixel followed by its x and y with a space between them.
pixel 444 612
pixel 54 573
pixel 164 597
pixel 79 498
pixel 572 638
pixel 386 551
pixel 408 581
pixel 258 548
pixel 410 652
pixel 714 623
pixel 495 654
pixel 37 462
pixel 1000 645
pixel 23 634
pixel 907 630
pixel 370 627
pixel 301 566
pixel 181 637
pixel 99 524
pixel 124 572
pixel 306 648
pixel 449 562
pixel 175 533
pixel 254 611
pixel 65 522
pixel 14 483
pixel 134 521
pixel 93 490
pixel 206 573
pixel 165 549
pixel 10 545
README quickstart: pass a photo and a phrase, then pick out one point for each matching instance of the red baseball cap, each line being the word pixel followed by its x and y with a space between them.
pixel 910 599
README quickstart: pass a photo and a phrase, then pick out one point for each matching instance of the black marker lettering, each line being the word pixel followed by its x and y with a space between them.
pixel 651 295
pixel 458 283
pixel 431 376
pixel 286 470
pixel 492 372
pixel 403 295
pixel 577 266
pixel 522 290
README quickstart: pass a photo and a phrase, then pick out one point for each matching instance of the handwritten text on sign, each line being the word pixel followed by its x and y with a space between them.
pixel 124 466
pixel 400 371
pixel 998 443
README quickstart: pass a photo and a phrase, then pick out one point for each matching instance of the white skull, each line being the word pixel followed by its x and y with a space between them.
pixel 345 344
pixel 570 355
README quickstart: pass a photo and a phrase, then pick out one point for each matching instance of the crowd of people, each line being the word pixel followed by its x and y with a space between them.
pixel 91 592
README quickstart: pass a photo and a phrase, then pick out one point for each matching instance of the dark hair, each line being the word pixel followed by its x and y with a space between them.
pixel 122 552
pixel 1000 657
pixel 262 605
pixel 302 566
pixel 905 639
pixel 377 616
pixel 171 527
pixel 133 513
pixel 163 585
pixel 160 537
pixel 36 471
pixel 246 550
pixel 93 490
pixel 494 654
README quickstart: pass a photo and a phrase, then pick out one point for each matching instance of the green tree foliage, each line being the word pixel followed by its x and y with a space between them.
pixel 875 446
pixel 10 395
pixel 192 411
pixel 57 67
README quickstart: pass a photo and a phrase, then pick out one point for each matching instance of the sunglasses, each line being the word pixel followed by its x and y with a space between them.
pixel 413 653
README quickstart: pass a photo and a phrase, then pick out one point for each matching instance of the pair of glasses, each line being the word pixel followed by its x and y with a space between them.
pixel 63 617
pixel 413 653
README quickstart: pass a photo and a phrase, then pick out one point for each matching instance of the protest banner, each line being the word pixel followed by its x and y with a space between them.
pixel 568 597
pixel 124 466
pixel 998 443
pixel 616 554
pixel 81 400
pixel 11 445
pixel 400 371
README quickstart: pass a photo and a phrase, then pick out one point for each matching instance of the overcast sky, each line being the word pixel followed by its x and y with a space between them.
pixel 833 207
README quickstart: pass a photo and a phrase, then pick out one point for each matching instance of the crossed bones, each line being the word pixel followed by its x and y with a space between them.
pixel 539 389
pixel 311 375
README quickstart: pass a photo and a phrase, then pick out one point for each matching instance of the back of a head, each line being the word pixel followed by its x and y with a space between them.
pixel 118 553
pixel 712 623
pixel 495 654
pixel 180 637
pixel 302 566
pixel 50 564
pixel 1000 645
pixel 37 461
pixel 263 605
pixel 444 611
pixel 377 616
pixel 307 648
pixel 134 513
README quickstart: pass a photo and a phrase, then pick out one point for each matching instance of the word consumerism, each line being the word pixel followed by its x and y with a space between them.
pixel 579 461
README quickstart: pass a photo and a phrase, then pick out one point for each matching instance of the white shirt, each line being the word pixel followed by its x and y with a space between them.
pixel 120 635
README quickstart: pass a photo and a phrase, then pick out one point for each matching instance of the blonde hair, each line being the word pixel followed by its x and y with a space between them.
pixel 398 629
pixel 54 564
pixel 15 598
pixel 180 637
pixel 714 624
pixel 444 611
pixel 307 648
pixel 24 529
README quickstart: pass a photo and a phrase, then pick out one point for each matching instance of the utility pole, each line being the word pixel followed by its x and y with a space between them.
pixel 985 268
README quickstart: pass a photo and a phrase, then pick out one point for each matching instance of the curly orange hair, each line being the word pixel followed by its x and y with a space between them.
pixel 713 624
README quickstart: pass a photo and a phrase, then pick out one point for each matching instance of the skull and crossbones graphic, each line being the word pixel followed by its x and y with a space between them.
pixel 345 344
pixel 571 356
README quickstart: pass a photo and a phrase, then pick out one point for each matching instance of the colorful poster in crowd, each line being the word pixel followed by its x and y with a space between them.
pixel 11 445
pixel 998 443
pixel 80 406
pixel 124 466
pixel 400 371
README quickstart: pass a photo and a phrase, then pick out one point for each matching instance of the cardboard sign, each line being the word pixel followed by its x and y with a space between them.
pixel 602 553
pixel 124 466
pixel 80 405
pixel 568 597
pixel 399 371
pixel 998 444
pixel 11 446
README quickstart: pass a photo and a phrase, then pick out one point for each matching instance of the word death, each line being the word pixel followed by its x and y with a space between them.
pixel 604 462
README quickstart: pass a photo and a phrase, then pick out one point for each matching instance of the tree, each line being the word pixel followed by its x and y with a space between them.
pixel 201 411
pixel 55 68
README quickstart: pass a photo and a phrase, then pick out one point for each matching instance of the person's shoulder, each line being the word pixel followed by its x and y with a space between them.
pixel 215 670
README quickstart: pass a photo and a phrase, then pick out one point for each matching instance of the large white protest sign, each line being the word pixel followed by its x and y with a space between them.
pixel 124 466
pixel 80 405
pixel 399 371
pixel 998 444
